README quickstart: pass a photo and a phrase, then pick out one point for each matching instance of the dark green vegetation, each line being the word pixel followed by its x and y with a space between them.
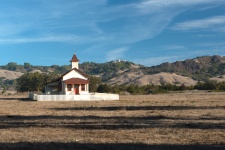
pixel 156 89
pixel 34 81
pixel 106 70
pixel 200 69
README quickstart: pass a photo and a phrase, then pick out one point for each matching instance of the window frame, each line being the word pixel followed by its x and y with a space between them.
pixel 69 87
pixel 82 87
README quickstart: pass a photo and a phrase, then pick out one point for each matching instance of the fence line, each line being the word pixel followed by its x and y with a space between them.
pixel 87 97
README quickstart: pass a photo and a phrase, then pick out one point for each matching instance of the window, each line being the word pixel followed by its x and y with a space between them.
pixel 69 87
pixel 82 87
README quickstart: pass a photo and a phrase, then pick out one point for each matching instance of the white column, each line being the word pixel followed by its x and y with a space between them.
pixel 87 87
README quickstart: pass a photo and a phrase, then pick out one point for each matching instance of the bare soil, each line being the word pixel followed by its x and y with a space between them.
pixel 189 120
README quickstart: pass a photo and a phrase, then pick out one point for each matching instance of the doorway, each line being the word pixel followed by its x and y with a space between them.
pixel 76 89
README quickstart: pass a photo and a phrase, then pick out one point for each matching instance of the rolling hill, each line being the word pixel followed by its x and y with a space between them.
pixel 156 79
pixel 186 72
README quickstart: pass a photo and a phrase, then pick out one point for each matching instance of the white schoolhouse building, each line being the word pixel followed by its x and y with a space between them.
pixel 74 82
pixel 72 86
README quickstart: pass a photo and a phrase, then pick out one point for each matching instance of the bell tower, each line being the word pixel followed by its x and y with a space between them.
pixel 74 62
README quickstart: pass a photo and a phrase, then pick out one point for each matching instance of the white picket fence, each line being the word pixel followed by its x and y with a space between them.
pixel 87 97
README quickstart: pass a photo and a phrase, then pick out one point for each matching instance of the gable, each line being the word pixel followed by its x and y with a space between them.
pixel 74 74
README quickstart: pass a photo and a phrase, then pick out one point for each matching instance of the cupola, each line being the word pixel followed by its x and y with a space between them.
pixel 74 62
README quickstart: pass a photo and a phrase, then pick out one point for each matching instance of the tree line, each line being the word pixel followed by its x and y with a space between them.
pixel 209 85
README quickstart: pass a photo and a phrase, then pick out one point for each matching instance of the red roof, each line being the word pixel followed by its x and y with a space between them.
pixel 74 59
pixel 76 81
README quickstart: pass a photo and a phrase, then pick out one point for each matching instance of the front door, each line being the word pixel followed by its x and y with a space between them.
pixel 76 89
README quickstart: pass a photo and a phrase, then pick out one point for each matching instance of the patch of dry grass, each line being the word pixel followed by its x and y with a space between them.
pixel 167 121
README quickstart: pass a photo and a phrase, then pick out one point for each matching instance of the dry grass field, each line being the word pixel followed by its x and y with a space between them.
pixel 165 121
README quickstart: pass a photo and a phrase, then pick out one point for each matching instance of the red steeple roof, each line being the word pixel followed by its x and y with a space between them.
pixel 74 59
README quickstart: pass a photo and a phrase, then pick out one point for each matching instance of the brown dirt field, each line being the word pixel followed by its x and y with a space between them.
pixel 165 121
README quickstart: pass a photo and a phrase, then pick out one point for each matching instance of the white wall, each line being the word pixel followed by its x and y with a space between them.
pixel 75 65
pixel 87 97
pixel 83 92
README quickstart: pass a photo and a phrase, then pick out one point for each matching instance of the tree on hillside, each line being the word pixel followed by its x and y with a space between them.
pixel 12 66
pixel 26 65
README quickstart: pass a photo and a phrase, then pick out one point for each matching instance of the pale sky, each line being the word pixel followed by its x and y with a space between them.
pixel 147 32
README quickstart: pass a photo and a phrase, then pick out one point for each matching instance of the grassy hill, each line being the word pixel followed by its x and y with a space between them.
pixel 179 72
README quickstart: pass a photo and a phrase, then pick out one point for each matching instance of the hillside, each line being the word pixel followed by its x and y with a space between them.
pixel 9 75
pixel 156 79
pixel 200 68
pixel 104 70
pixel 186 72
